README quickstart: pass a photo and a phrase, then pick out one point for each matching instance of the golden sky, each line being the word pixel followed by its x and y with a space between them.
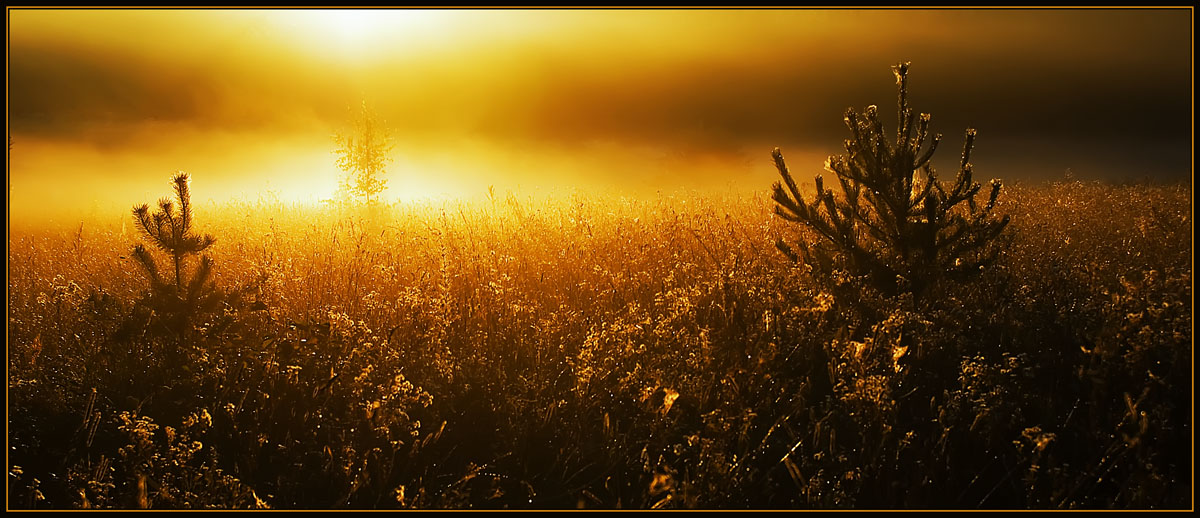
pixel 104 104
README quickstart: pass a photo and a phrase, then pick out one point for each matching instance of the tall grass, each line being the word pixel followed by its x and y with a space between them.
pixel 606 352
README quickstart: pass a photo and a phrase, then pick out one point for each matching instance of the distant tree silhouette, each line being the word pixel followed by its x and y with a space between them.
pixel 170 231
pixel 895 222
pixel 362 154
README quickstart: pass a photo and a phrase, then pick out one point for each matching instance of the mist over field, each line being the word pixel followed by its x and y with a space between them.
pixel 633 102
pixel 600 259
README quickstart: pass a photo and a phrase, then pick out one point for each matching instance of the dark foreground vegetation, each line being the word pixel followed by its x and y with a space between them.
pixel 598 353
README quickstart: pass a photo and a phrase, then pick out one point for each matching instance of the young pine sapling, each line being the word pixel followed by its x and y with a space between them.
pixel 170 231
pixel 895 222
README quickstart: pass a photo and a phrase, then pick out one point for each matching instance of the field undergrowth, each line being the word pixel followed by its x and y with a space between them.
pixel 601 352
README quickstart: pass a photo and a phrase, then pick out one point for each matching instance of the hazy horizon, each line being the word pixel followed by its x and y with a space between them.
pixel 104 105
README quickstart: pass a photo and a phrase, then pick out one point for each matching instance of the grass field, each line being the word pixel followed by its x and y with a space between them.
pixel 601 352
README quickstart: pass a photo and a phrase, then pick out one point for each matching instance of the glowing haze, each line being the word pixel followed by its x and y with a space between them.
pixel 104 105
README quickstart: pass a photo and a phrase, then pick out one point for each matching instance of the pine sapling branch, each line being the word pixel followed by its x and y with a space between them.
pixel 894 221
pixel 172 233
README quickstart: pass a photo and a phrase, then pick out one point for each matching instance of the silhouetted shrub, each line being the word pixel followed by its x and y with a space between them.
pixel 175 297
pixel 902 229
pixel 362 153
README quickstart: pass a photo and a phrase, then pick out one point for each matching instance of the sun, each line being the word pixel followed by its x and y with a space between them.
pixel 354 26
pixel 359 34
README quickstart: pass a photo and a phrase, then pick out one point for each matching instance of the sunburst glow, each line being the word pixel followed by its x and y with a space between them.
pixel 551 259
pixel 638 102
pixel 363 35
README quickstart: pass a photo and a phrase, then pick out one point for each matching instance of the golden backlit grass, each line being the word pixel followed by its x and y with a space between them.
pixel 593 351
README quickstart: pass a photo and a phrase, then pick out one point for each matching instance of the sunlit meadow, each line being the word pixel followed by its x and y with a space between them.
pixel 603 352
pixel 476 259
